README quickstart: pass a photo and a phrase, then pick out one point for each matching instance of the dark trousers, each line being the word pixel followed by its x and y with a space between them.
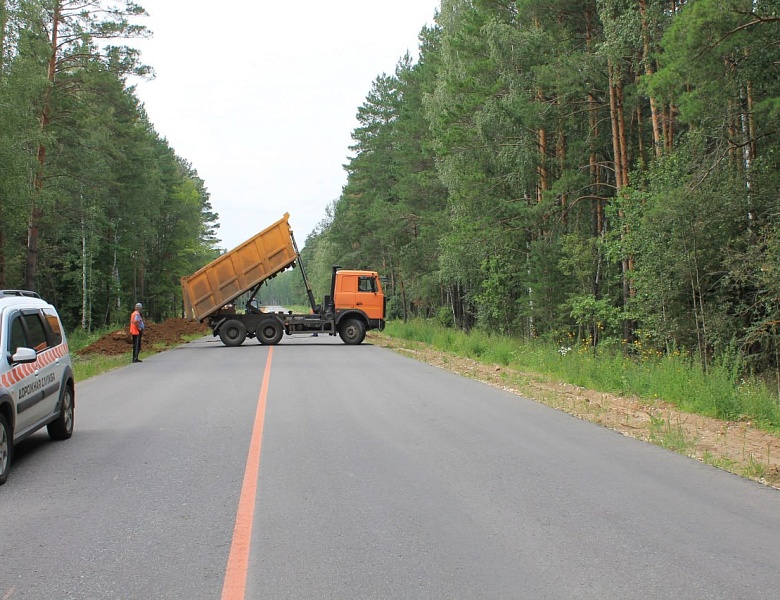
pixel 137 346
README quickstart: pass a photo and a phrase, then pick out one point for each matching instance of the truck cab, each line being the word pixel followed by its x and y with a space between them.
pixel 361 291
pixel 359 304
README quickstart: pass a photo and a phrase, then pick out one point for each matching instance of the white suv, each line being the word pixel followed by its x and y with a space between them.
pixel 36 377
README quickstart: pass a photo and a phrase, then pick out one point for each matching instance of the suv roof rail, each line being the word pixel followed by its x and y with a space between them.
pixel 27 293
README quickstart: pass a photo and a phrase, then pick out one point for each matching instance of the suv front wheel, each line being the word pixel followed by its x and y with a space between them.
pixel 62 427
pixel 6 447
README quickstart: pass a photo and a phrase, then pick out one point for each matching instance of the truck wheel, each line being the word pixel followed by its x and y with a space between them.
pixel 232 333
pixel 6 449
pixel 269 332
pixel 62 427
pixel 352 331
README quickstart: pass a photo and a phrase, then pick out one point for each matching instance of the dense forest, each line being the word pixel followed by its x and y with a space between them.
pixel 605 170
pixel 96 209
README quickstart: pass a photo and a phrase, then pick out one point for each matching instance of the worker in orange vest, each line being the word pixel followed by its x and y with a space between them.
pixel 137 330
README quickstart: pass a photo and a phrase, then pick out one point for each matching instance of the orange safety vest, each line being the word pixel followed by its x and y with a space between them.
pixel 133 325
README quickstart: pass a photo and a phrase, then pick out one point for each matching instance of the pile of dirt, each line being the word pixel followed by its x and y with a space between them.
pixel 169 333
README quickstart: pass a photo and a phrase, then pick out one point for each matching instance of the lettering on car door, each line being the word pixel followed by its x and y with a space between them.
pixel 37 385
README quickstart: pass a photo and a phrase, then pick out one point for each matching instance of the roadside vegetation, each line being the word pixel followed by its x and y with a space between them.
pixel 720 392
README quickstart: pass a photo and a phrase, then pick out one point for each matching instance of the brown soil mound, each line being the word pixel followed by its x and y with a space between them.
pixel 169 333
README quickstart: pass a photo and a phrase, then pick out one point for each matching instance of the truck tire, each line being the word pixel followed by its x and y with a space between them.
pixel 352 331
pixel 6 449
pixel 269 332
pixel 232 332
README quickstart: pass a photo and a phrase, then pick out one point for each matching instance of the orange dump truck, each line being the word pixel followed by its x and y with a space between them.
pixel 355 305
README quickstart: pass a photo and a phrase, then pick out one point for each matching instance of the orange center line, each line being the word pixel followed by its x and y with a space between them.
pixel 234 586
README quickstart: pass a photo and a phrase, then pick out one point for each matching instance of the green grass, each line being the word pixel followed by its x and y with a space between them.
pixel 85 367
pixel 674 378
pixel 671 436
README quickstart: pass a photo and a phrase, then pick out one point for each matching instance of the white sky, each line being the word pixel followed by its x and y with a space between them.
pixel 260 96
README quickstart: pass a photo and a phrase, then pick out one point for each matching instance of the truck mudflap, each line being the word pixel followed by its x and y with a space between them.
pixel 215 323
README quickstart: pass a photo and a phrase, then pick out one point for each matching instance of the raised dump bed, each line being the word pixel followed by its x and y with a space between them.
pixel 236 272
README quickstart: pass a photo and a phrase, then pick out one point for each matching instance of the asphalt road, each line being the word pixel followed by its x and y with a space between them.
pixel 379 477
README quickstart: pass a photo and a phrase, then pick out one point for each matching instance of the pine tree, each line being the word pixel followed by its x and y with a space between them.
pixel 69 32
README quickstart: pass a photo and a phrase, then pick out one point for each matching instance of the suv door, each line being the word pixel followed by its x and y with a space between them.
pixel 36 393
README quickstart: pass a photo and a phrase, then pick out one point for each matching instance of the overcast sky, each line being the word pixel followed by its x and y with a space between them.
pixel 260 96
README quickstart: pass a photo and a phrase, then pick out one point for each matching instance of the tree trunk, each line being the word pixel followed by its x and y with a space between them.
pixel 560 151
pixel 595 169
pixel 621 179
pixel 622 134
pixel 698 307
pixel 751 121
pixel 595 172
pixel 640 134
pixel 84 291
pixel 657 139
pixel 613 114
pixel 36 212
pixel 542 185
pixel 138 278
pixel 593 126
pixel 749 148
pixel 403 301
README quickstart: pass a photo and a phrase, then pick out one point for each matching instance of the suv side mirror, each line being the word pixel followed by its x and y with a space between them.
pixel 24 355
